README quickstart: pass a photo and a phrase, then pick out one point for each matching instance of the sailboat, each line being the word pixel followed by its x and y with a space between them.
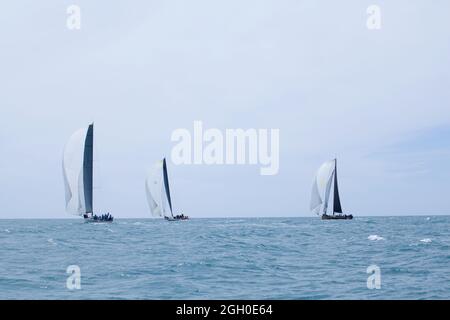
pixel 326 177
pixel 78 173
pixel 158 193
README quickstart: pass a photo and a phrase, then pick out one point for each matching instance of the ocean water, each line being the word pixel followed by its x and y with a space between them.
pixel 255 258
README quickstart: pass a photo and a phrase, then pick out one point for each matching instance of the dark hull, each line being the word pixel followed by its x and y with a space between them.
pixel 98 219
pixel 176 219
pixel 337 217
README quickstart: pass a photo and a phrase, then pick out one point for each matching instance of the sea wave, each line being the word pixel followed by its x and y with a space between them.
pixel 225 258
pixel 374 237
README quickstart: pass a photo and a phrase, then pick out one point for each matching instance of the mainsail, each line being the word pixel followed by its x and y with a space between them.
pixel 78 171
pixel 158 190
pixel 337 208
pixel 321 189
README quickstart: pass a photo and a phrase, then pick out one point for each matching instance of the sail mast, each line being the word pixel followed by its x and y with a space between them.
pixel 166 184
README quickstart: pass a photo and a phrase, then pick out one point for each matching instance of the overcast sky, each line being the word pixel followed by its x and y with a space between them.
pixel 378 100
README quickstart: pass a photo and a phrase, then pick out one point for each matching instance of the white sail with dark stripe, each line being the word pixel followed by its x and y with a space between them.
pixel 158 190
pixel 78 171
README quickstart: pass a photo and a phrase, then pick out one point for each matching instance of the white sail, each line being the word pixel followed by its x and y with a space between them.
pixel 156 191
pixel 316 200
pixel 73 159
pixel 321 187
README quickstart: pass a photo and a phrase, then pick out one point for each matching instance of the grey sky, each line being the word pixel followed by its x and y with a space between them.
pixel 378 100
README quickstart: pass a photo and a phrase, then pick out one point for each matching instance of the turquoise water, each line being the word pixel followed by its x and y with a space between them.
pixel 259 258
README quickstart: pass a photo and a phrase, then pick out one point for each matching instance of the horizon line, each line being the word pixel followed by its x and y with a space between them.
pixel 232 217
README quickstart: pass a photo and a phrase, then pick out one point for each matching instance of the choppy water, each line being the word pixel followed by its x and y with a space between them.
pixel 283 258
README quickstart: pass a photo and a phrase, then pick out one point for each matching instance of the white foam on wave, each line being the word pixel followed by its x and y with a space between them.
pixel 50 240
pixel 7 231
pixel 426 240
pixel 375 237
pixel 428 219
